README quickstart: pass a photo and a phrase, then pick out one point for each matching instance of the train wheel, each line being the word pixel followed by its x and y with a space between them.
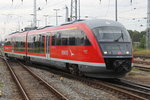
pixel 73 69
pixel 28 61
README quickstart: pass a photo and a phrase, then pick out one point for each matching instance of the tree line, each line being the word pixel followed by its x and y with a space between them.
pixel 138 38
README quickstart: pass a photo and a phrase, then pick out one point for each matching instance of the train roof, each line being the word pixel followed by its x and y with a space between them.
pixel 100 22
pixel 93 23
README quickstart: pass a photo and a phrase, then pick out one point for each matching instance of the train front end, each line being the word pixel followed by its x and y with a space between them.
pixel 115 46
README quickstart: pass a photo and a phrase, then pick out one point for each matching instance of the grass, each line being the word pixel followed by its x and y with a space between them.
pixel 143 52
pixel 132 74
pixel 135 69
pixel 1 85
pixel 148 72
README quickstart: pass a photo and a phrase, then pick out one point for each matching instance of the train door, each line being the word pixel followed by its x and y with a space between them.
pixel 48 45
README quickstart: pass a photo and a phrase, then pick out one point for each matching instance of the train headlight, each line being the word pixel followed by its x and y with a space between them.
pixel 105 52
pixel 127 52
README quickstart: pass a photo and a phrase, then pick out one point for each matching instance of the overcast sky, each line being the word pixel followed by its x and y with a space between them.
pixel 17 15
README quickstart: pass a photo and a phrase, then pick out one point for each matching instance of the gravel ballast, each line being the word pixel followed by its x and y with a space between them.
pixel 7 85
pixel 138 76
pixel 73 89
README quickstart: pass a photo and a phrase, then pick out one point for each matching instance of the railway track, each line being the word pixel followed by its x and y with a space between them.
pixel 142 68
pixel 32 86
pixel 136 88
pixel 143 59
pixel 108 87
pixel 142 56
pixel 144 64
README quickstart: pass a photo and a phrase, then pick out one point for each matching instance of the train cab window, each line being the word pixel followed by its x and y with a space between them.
pixel 87 42
pixel 111 33
pixel 80 38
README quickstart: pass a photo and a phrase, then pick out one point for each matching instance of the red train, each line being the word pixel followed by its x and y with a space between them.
pixel 96 48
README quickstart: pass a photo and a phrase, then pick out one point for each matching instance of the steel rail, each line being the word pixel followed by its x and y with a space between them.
pixel 143 85
pixel 119 90
pixel 50 87
pixel 140 89
pixel 98 85
pixel 23 92
pixel 142 68
pixel 101 85
pixel 142 56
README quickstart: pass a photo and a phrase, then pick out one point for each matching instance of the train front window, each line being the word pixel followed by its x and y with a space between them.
pixel 111 33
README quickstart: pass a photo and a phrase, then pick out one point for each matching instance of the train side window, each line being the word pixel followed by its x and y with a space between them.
pixel 8 42
pixel 28 41
pixel 53 39
pixel 33 46
pixel 72 40
pixel 19 43
pixel 31 43
pixel 64 38
pixel 48 40
pixel 39 43
pixel 80 38
pixel 58 39
pixel 42 38
pixel 36 43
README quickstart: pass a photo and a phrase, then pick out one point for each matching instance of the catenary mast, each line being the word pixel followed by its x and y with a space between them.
pixel 75 10
pixel 35 16
pixel 148 25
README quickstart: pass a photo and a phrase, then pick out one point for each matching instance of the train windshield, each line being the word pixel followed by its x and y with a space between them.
pixel 112 34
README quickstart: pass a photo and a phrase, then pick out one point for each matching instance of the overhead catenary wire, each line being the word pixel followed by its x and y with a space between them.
pixel 107 8
pixel 47 9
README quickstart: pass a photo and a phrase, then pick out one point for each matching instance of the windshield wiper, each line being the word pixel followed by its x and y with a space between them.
pixel 121 36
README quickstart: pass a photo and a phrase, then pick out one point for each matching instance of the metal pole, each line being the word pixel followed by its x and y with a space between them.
pixel 45 19
pixel 76 10
pixel 79 9
pixel 148 25
pixel 34 11
pixel 71 12
pixel 56 16
pixel 38 23
pixel 116 11
pixel 67 12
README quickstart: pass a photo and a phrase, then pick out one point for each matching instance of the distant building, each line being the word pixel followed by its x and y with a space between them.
pixel 136 44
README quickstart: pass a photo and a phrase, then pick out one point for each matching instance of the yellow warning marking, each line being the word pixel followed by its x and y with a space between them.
pixel 61 78
pixel 72 28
